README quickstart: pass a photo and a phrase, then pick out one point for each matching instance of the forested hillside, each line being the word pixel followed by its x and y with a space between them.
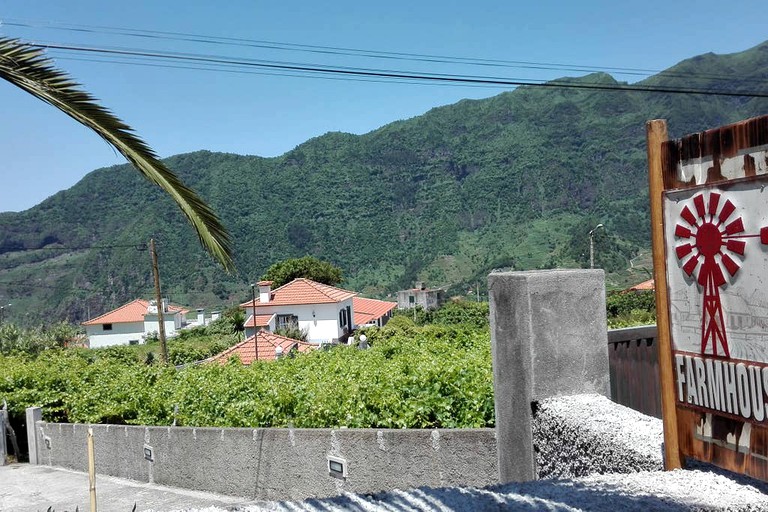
pixel 516 180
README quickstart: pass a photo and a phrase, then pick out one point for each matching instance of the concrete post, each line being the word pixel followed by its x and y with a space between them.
pixel 34 414
pixel 548 338
pixel 3 440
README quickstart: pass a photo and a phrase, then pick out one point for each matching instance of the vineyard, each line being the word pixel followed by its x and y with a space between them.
pixel 412 377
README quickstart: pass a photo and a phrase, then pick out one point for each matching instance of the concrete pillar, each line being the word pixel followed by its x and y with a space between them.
pixel 34 414
pixel 3 440
pixel 548 338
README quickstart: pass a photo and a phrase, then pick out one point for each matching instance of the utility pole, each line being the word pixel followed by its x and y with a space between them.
pixel 159 300
pixel 255 337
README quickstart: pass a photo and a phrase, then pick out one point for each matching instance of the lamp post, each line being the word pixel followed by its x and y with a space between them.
pixel 592 245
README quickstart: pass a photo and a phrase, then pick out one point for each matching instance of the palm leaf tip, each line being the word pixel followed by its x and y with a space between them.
pixel 27 67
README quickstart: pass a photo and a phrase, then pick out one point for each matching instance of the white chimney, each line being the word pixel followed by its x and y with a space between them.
pixel 265 291
pixel 215 315
pixel 152 307
pixel 201 316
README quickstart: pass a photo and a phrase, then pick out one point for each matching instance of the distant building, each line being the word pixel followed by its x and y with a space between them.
pixel 265 346
pixel 427 298
pixel 368 312
pixel 324 311
pixel 266 322
pixel 645 286
pixel 131 323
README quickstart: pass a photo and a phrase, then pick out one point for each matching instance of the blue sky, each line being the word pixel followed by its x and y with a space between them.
pixel 181 110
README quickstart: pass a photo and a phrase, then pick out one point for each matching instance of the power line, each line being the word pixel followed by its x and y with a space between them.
pixel 149 63
pixel 139 246
pixel 331 50
pixel 397 75
pixel 353 52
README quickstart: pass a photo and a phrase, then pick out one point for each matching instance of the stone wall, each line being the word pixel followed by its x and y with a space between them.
pixel 276 463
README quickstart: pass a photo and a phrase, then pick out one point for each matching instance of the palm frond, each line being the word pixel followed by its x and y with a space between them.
pixel 27 67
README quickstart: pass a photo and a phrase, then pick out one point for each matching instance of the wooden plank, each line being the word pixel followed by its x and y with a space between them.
pixel 656 134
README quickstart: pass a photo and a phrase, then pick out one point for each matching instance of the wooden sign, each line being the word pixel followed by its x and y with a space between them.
pixel 709 210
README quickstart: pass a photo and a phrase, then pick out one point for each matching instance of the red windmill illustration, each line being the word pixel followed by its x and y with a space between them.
pixel 713 243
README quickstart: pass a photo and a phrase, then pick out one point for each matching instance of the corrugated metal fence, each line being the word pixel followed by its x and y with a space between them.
pixel 634 367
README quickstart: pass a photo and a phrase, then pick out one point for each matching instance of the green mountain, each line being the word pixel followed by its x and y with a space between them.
pixel 516 180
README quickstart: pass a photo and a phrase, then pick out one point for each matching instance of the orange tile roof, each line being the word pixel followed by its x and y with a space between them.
pixel 303 291
pixel 261 320
pixel 369 310
pixel 644 286
pixel 134 311
pixel 267 343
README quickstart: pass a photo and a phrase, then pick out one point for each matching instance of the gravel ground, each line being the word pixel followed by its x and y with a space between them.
pixel 682 490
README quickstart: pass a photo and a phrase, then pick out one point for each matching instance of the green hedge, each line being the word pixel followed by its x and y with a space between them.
pixel 417 377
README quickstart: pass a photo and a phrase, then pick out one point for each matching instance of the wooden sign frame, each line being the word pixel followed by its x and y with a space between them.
pixel 709 233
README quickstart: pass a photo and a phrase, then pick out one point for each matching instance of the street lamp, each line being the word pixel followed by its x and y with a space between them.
pixel 592 245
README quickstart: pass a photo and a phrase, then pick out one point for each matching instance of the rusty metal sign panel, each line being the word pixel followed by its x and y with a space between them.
pixel 715 221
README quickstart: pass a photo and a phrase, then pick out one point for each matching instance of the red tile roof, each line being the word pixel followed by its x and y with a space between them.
pixel 261 320
pixel 132 312
pixel 369 310
pixel 303 291
pixel 267 343
pixel 644 286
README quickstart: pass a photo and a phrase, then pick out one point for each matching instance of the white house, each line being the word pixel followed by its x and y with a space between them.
pixel 372 312
pixel 326 312
pixel 131 323
pixel 265 322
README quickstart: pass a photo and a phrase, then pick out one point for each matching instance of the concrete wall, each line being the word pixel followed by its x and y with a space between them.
pixel 548 338
pixel 276 463
pixel 573 436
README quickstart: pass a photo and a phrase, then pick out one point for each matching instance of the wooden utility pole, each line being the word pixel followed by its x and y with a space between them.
pixel 91 470
pixel 159 301
pixel 656 133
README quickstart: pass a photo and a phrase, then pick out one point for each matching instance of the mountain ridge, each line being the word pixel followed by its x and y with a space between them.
pixel 517 179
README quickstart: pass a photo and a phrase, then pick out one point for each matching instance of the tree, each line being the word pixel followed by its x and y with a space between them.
pixel 308 267
pixel 237 317
pixel 27 68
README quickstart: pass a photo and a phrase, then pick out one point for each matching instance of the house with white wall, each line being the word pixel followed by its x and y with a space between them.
pixel 265 322
pixel 131 323
pixel 372 312
pixel 326 312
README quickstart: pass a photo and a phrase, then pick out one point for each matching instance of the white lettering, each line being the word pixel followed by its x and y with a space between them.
pixel 756 392
pixel 690 381
pixel 715 381
pixel 701 383
pixel 742 379
pixel 732 405
pixel 765 383
pixel 679 362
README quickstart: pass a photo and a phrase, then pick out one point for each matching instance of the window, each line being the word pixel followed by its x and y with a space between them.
pixel 133 342
pixel 287 321
pixel 107 327
pixel 411 299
